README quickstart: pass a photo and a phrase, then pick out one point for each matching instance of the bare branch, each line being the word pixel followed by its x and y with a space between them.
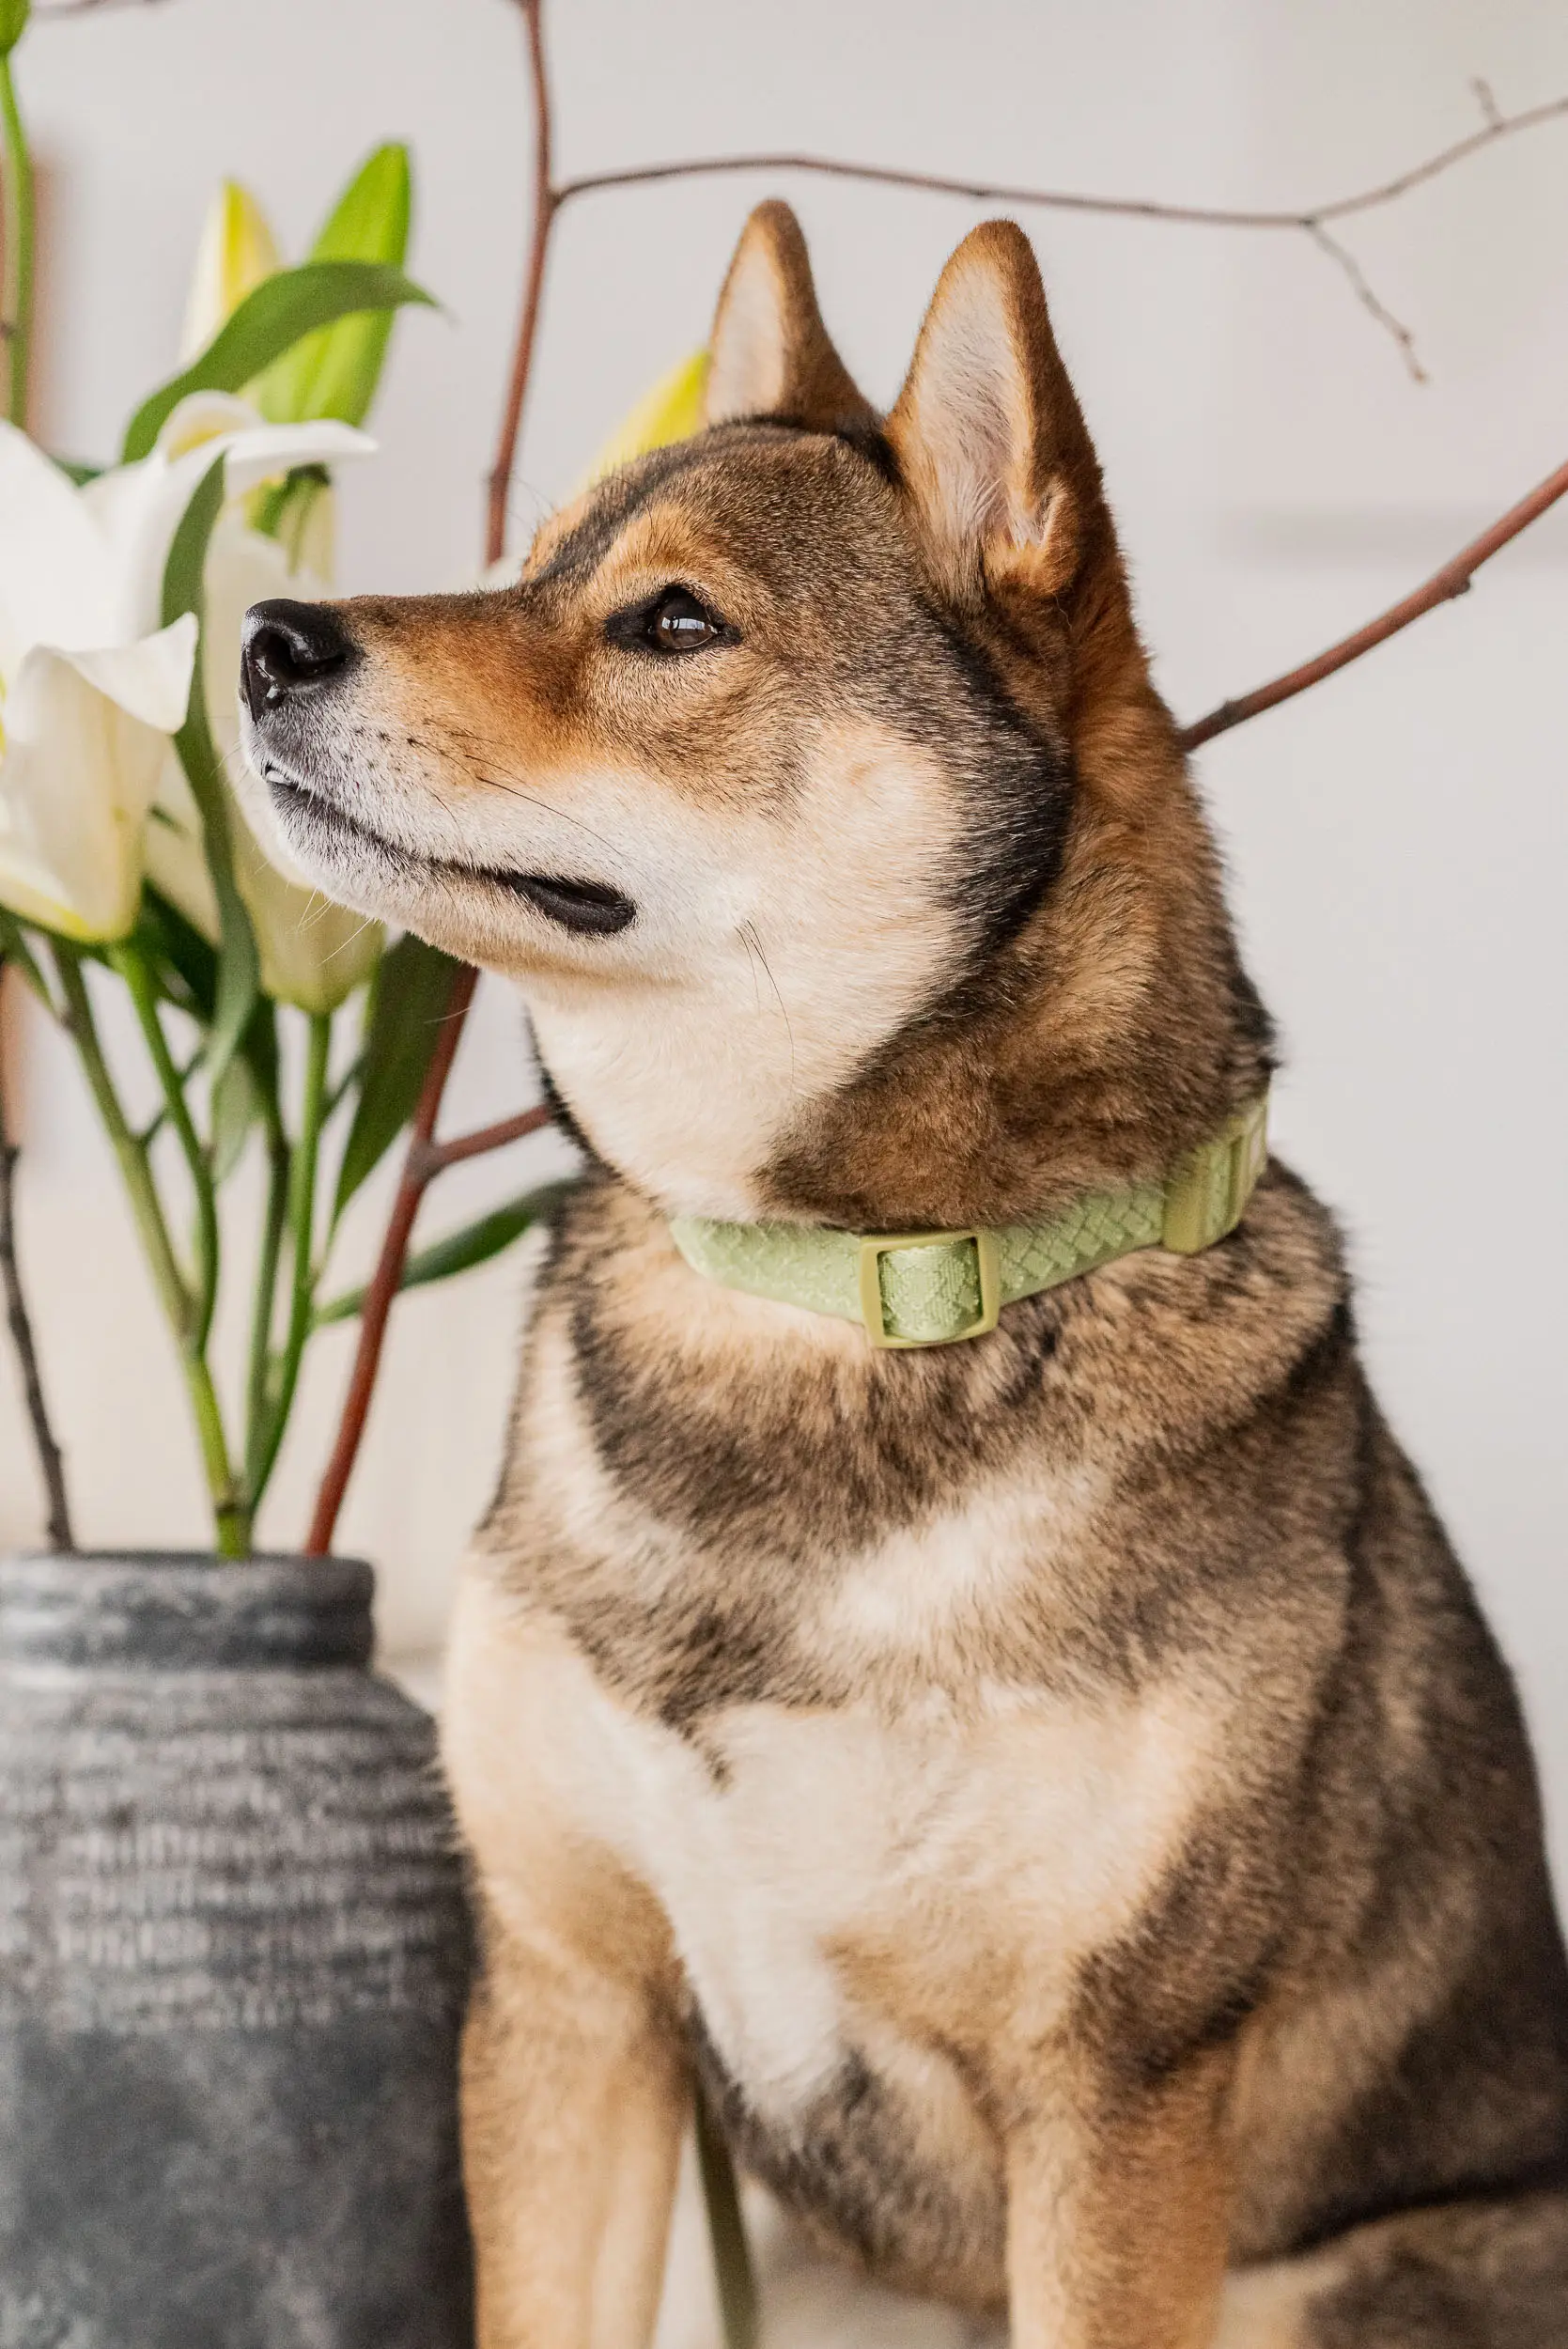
pixel 547 203
pixel 44 10
pixel 1451 579
pixel 51 1461
pixel 1308 222
pixel 1062 200
pixel 1346 262
pixel 386 1280
pixel 1461 149
pixel 484 1138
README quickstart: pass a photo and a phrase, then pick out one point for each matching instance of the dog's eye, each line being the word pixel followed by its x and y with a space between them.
pixel 674 621
pixel 678 623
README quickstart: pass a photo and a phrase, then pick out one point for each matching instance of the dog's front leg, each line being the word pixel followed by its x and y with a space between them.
pixel 1117 2217
pixel 575 2098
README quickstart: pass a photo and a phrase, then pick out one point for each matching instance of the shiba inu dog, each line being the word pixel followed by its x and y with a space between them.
pixel 1054 1788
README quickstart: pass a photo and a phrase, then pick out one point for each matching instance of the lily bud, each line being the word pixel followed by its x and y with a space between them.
pixel 334 371
pixel 13 24
pixel 236 251
pixel 670 410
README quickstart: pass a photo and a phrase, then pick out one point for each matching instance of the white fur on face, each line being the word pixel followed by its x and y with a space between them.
pixel 817 933
pixel 773 949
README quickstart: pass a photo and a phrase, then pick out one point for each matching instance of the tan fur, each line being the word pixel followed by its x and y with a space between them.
pixel 1055 1794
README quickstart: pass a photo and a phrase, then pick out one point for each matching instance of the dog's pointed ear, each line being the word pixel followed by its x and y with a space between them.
pixel 989 432
pixel 769 355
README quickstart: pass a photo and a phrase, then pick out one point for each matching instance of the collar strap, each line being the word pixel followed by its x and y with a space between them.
pixel 932 1288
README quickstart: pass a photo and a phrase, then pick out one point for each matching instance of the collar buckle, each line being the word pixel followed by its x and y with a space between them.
pixel 1207 1193
pixel 877 1309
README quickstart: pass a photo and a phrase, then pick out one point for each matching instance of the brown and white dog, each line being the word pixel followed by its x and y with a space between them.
pixel 1056 1791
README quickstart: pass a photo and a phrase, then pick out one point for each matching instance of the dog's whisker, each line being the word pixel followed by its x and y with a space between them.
pixel 783 1007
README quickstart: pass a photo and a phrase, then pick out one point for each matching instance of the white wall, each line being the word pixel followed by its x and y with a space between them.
pixel 1396 839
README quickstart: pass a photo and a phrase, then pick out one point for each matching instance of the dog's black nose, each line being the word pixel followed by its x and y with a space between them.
pixel 289 648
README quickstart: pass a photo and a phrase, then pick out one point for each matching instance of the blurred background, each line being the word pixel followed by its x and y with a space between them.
pixel 1396 839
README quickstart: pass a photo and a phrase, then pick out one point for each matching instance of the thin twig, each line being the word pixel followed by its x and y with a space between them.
pixel 388 1274
pixel 547 204
pixel 51 1460
pixel 1309 222
pixel 440 1155
pixel 1345 261
pixel 1451 579
pixel 1064 200
pixel 44 10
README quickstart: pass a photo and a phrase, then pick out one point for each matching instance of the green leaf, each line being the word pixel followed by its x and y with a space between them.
pixel 239 972
pixel 270 320
pixel 460 1252
pixel 76 469
pixel 236 1107
pixel 334 371
pixel 282 510
pixel 408 1002
pixel 13 24
pixel 184 963
pixel 259 1045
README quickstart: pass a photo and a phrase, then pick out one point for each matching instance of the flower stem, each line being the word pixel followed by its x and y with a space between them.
pixel 302 1226
pixel 230 1511
pixel 19 246
pixel 266 1298
pixel 167 1278
pixel 732 2257
pixel 131 965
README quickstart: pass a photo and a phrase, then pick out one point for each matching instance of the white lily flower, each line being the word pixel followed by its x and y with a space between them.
pixel 91 684
pixel 313 953
pixel 86 703
pixel 139 507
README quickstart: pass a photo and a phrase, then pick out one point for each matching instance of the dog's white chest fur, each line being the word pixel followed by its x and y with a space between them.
pixel 826 1831
pixel 790 1840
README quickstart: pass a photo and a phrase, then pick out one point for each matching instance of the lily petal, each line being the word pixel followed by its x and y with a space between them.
pixel 139 507
pixel 256 451
pixel 151 679
pixel 54 565
pixel 75 786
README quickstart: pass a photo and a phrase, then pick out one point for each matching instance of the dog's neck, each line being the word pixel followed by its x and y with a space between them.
pixel 1118 1032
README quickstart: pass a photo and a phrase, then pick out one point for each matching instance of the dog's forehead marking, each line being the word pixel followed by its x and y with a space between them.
pixel 573 547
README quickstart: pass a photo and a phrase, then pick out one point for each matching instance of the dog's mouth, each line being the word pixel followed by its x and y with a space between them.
pixel 589 908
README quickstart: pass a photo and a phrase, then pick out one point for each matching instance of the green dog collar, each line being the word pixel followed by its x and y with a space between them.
pixel 932 1288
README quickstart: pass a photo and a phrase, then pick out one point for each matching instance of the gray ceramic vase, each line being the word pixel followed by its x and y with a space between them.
pixel 233 1954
